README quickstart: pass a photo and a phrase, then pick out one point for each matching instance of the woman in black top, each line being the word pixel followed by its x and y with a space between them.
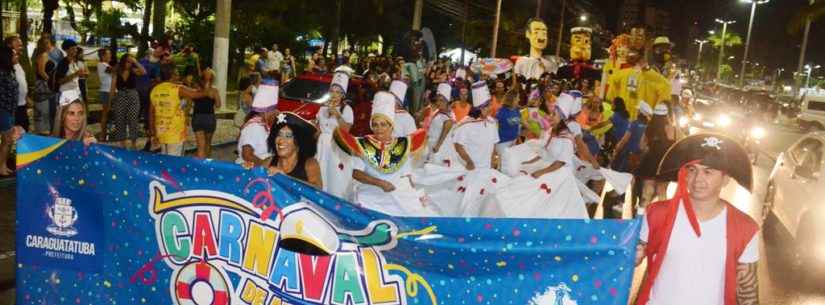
pixel 125 101
pixel 292 141
pixel 8 103
pixel 203 114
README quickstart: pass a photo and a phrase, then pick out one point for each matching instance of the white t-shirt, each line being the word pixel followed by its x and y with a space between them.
pixel 274 60
pixel 404 124
pixel 436 126
pixel 253 135
pixel 74 83
pixel 105 77
pixel 680 281
pixel 328 124
pixel 22 86
pixel 479 139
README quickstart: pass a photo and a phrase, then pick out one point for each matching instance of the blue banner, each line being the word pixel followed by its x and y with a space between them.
pixel 100 225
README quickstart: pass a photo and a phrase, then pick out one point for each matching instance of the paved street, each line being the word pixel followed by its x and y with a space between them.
pixel 778 284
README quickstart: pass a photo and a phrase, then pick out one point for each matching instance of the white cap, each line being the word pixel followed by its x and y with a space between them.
pixel 383 103
pixel 399 89
pixel 660 109
pixel 644 108
pixel 341 80
pixel 568 105
pixel 346 69
pixel 305 227
pixel 67 97
pixel 266 97
pixel 481 94
pixel 581 29
pixel 445 90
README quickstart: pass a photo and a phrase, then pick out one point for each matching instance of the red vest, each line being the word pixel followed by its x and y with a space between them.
pixel 661 217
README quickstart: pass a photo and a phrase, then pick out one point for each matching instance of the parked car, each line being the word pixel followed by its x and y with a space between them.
pixel 306 94
pixel 794 200
pixel 812 112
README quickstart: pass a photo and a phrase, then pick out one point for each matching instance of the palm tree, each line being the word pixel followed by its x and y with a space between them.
pixel 812 12
pixel 731 40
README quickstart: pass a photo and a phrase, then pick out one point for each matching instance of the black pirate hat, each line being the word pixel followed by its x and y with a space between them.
pixel 712 150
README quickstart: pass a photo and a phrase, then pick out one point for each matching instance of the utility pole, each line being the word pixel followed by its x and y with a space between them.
pixel 561 27
pixel 464 29
pixel 220 49
pixel 495 30
pixel 722 48
pixel 336 35
pixel 804 45
pixel 699 56
pixel 754 3
pixel 419 8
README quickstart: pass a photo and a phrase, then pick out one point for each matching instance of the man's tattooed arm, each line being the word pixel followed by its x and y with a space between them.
pixel 747 288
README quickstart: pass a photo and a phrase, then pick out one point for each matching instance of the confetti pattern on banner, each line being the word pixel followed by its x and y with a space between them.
pixel 399 260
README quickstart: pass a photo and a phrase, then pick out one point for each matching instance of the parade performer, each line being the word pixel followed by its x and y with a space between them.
pixel 404 121
pixel 252 147
pixel 70 122
pixel 536 117
pixel 293 145
pixel 336 168
pixel 699 228
pixel 439 123
pixel 638 83
pixel 617 60
pixel 580 68
pixel 543 185
pixel 628 153
pixel 533 66
pixel 382 163
pixel 463 190
pixel 663 56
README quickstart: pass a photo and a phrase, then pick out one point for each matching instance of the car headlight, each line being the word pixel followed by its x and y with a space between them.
pixel 683 122
pixel 697 117
pixel 723 120
pixel 758 133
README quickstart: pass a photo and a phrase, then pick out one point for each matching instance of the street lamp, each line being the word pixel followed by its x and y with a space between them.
pixel 753 3
pixel 583 18
pixel 699 56
pixel 810 69
pixel 712 32
pixel 722 49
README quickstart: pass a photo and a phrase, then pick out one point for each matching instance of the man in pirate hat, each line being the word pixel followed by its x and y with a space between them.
pixel 698 228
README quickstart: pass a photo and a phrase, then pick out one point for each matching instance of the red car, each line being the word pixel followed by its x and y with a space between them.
pixel 306 94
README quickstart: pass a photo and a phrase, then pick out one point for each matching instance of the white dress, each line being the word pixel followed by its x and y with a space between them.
pixel 553 195
pixel 455 190
pixel 336 168
pixel 434 131
pixel 404 201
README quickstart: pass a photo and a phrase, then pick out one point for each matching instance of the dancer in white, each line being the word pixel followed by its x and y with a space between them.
pixel 464 189
pixel 404 121
pixel 382 163
pixel 544 186
pixel 336 168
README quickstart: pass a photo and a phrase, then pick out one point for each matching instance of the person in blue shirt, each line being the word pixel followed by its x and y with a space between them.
pixel 509 122
pixel 144 83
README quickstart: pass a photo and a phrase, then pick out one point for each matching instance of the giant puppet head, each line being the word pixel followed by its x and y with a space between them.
pixel 638 38
pixel 620 48
pixel 662 51
pixel 536 33
pixel 580 43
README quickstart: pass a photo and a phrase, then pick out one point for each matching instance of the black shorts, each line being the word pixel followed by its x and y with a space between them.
pixel 205 122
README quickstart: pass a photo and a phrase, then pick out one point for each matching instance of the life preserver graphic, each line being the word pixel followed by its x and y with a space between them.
pixel 205 274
